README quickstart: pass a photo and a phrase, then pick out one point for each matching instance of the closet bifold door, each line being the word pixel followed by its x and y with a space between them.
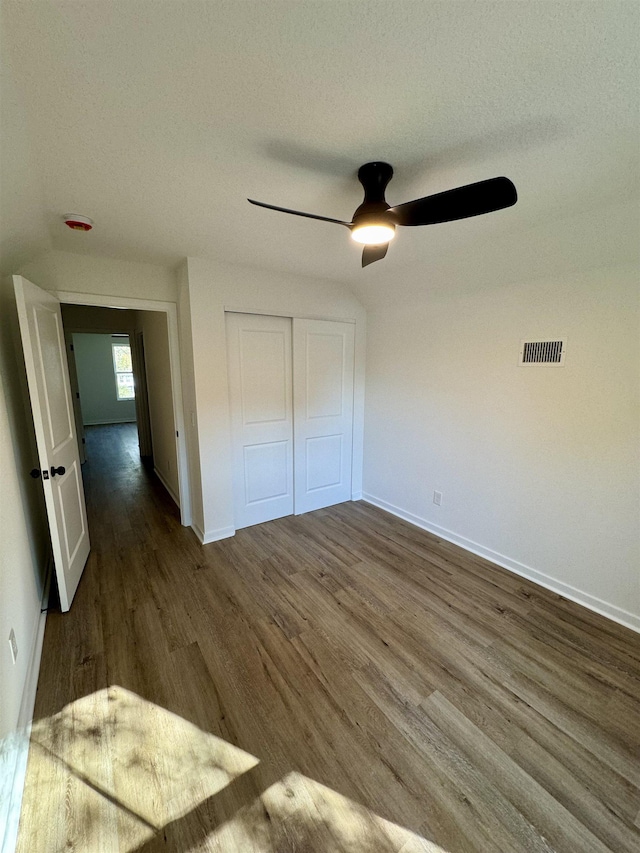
pixel 323 359
pixel 259 363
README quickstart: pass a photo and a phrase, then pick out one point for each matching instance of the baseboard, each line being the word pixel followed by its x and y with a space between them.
pixel 212 535
pixel 356 496
pixel 611 611
pixel 15 748
pixel 216 535
pixel 167 486
pixel 198 531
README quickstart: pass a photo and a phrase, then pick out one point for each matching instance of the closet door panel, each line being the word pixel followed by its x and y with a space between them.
pixel 323 359
pixel 260 387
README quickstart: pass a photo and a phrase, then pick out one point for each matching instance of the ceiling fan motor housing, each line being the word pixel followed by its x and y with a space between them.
pixel 374 178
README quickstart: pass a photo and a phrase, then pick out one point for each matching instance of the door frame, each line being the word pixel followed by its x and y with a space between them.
pixel 75 392
pixel 143 415
pixel 171 310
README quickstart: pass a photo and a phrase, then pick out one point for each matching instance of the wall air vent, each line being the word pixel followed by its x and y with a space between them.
pixel 542 353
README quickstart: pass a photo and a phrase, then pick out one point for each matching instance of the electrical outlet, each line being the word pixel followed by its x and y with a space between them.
pixel 13 645
pixel 437 498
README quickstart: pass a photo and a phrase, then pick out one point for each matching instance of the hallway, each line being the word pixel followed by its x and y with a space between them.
pixel 117 480
pixel 338 681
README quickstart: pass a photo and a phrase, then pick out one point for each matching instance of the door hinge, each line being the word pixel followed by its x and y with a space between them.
pixel 77 395
pixel 71 347
pixel 177 434
pixel 84 440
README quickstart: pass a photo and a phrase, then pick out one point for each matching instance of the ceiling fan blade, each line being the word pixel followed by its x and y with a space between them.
pixel 470 200
pixel 299 213
pixel 374 253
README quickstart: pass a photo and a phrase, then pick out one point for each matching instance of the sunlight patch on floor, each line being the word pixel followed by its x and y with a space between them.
pixel 111 769
pixel 297 813
pixel 113 773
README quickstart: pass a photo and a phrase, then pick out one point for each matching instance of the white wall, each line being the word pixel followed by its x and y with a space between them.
pixel 539 467
pixel 24 536
pixel 24 556
pixel 96 380
pixel 56 270
pixel 24 533
pixel 214 287
pixel 23 229
pixel 163 428
pixel 189 397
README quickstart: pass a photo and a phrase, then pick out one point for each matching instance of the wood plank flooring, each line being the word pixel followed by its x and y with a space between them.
pixel 339 681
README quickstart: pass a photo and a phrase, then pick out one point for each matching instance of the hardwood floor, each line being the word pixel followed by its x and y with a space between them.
pixel 339 681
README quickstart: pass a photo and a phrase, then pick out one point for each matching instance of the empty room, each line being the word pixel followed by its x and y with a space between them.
pixel 320 426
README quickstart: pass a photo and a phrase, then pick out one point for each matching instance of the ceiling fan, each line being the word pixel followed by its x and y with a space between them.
pixel 374 221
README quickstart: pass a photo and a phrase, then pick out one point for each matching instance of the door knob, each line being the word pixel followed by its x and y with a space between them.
pixel 35 473
pixel 59 471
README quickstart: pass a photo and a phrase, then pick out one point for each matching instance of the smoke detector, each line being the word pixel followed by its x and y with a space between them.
pixel 77 222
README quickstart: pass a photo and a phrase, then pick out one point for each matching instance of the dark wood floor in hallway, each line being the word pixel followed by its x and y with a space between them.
pixel 339 681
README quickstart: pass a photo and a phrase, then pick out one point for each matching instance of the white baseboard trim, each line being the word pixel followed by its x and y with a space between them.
pixel 31 684
pixel 212 535
pixel 15 748
pixel 167 486
pixel 216 535
pixel 356 496
pixel 604 608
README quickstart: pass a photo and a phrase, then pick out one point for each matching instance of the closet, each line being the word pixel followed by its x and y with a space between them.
pixel 291 398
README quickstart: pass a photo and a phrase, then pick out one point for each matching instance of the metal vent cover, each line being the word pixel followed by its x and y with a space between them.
pixel 546 353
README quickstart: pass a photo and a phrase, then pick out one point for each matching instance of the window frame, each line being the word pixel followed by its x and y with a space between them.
pixel 117 372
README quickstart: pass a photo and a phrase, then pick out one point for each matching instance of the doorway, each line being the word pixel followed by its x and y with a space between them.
pixel 155 332
pixel 120 363
pixel 105 389
pixel 49 383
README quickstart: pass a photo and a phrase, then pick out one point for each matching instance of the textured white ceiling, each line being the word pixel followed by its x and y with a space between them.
pixel 158 119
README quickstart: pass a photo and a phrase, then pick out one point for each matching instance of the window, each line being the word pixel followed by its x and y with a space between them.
pixel 123 371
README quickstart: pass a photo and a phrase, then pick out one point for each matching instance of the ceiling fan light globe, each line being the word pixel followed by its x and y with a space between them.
pixel 373 235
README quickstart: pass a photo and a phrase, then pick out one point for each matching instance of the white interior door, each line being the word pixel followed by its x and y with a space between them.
pixel 259 362
pixel 323 358
pixel 48 379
